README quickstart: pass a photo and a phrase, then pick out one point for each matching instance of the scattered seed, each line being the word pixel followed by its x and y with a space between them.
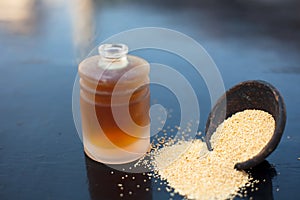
pixel 209 170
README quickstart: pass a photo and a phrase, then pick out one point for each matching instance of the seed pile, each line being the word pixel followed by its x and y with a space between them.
pixel 199 174
pixel 243 135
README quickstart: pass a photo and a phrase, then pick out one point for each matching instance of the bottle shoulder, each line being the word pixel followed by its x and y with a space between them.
pixel 135 68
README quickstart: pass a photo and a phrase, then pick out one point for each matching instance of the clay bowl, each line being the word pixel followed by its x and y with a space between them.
pixel 258 95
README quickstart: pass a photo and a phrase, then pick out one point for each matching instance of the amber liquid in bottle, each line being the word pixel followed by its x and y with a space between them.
pixel 114 103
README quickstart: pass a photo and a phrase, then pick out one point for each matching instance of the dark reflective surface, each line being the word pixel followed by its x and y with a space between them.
pixel 41 43
pixel 106 183
pixel 264 173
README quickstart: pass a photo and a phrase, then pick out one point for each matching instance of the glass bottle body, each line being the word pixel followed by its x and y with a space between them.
pixel 114 103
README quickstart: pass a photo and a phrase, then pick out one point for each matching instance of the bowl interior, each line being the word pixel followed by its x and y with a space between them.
pixel 258 95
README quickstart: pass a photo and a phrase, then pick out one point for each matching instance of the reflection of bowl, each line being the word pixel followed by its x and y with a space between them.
pixel 257 95
pixel 264 173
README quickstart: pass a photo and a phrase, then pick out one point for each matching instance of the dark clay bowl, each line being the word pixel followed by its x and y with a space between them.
pixel 258 95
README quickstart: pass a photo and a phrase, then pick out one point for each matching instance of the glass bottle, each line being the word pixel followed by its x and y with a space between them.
pixel 114 105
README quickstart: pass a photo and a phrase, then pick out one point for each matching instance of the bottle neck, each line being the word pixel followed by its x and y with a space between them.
pixel 113 56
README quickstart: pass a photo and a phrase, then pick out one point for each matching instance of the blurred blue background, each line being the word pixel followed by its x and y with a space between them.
pixel 42 42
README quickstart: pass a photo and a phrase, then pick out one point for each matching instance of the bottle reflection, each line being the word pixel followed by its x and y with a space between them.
pixel 83 24
pixel 264 172
pixel 19 16
pixel 107 183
